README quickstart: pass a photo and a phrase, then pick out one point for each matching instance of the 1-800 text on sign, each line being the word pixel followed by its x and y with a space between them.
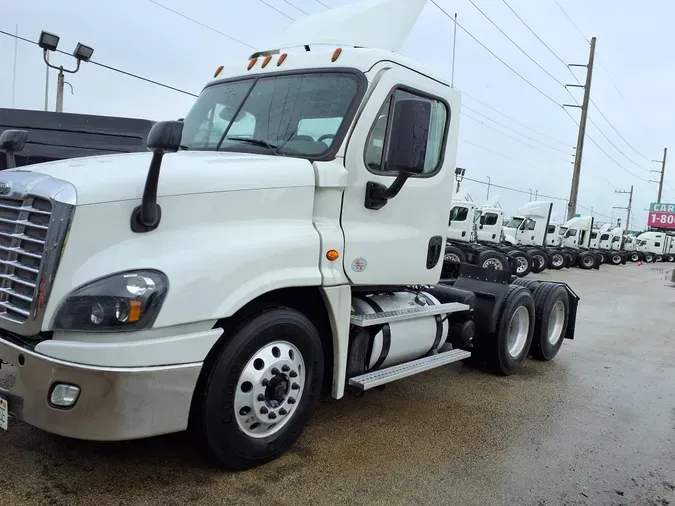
pixel 662 220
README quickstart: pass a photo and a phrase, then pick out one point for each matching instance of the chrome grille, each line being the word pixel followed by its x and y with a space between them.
pixel 24 224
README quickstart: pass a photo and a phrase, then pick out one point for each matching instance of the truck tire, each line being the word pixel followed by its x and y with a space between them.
pixel 507 348
pixel 649 258
pixel 634 257
pixel 586 260
pixel 602 259
pixel 615 258
pixel 492 260
pixel 454 254
pixel 658 258
pixel 570 259
pixel 552 310
pixel 670 258
pixel 530 284
pixel 557 260
pixel 539 260
pixel 258 387
pixel 521 263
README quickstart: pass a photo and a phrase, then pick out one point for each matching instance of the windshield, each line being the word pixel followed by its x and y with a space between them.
pixel 289 115
pixel 562 230
pixel 514 222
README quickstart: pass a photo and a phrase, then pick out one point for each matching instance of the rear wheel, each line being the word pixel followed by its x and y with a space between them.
pixel 454 254
pixel 659 258
pixel 492 260
pixel 257 393
pixel 615 259
pixel 539 261
pixel 649 258
pixel 634 257
pixel 522 264
pixel 551 318
pixel 670 258
pixel 530 284
pixel 557 260
pixel 602 259
pixel 507 348
pixel 587 260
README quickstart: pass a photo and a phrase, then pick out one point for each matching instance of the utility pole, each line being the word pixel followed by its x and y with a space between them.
pixel 574 190
pixel 454 44
pixel 663 173
pixel 630 204
pixel 59 91
pixel 488 190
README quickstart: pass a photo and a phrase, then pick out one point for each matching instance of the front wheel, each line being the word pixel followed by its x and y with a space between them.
pixel 557 260
pixel 649 258
pixel 257 393
pixel 615 259
pixel 634 257
pixel 539 261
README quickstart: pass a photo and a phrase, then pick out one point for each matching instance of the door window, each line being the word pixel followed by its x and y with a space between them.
pixel 531 224
pixel 374 154
pixel 489 219
pixel 459 213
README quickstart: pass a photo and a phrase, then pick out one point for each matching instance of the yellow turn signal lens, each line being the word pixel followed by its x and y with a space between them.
pixel 332 255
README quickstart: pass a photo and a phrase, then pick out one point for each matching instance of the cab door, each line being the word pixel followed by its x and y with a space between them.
pixel 403 241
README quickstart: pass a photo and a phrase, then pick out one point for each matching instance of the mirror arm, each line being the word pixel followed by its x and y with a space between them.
pixel 377 194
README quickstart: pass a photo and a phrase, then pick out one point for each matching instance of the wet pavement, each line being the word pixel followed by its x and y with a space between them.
pixel 594 427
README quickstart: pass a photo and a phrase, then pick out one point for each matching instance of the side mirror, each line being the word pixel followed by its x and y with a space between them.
pixel 405 148
pixel 164 137
pixel 11 142
pixel 410 121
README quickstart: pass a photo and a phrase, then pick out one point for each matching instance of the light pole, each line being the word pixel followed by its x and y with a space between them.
pixel 49 42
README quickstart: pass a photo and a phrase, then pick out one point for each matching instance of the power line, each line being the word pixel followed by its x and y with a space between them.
pixel 135 76
pixel 570 20
pixel 605 152
pixel 610 79
pixel 493 54
pixel 609 140
pixel 514 138
pixel 515 44
pixel 295 7
pixel 275 9
pixel 516 121
pixel 200 23
pixel 506 156
pixel 537 36
pixel 514 131
pixel 326 6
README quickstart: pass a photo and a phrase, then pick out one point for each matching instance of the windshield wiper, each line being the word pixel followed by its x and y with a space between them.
pixel 256 142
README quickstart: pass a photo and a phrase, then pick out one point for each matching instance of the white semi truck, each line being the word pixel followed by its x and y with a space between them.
pixel 289 231
pixel 656 246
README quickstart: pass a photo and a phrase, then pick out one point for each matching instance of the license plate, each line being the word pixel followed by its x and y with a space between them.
pixel 4 414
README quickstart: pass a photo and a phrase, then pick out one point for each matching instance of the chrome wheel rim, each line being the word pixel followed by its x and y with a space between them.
pixel 558 260
pixel 521 265
pixel 451 257
pixel 519 326
pixel 269 389
pixel 493 263
pixel 556 321
pixel 541 261
pixel 588 261
pixel 635 258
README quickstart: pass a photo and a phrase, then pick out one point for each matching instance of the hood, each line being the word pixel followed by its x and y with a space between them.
pixel 111 178
pixel 510 238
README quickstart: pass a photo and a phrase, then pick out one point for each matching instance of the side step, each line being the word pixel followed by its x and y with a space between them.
pixel 377 378
pixel 368 320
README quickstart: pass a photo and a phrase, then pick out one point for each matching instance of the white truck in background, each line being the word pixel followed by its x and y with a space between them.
pixel 655 246
pixel 272 241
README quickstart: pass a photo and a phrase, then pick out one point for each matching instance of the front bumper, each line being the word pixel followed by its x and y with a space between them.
pixel 114 403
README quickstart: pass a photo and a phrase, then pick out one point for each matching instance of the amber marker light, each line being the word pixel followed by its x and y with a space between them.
pixel 134 310
pixel 266 61
pixel 336 54
pixel 251 63
pixel 281 59
pixel 332 255
pixel 218 71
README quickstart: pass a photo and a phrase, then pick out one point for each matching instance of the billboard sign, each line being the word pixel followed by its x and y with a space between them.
pixel 661 215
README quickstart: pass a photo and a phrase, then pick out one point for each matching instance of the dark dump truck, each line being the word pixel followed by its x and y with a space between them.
pixel 57 136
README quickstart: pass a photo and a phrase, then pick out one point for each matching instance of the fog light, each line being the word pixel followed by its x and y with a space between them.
pixel 64 395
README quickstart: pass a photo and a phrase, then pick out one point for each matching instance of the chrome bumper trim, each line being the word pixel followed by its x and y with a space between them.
pixel 114 404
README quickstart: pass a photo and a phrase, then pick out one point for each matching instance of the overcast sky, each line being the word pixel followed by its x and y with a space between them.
pixel 635 46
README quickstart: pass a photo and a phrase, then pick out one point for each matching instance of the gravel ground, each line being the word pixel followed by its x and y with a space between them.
pixel 594 427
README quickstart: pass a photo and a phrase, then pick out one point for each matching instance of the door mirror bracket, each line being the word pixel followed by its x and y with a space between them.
pixel 377 194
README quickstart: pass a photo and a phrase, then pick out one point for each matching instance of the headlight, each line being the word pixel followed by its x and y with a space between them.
pixel 122 302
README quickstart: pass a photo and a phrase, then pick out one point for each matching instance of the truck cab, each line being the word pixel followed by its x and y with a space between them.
pixel 490 222
pixel 288 232
pixel 656 246
pixel 529 227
